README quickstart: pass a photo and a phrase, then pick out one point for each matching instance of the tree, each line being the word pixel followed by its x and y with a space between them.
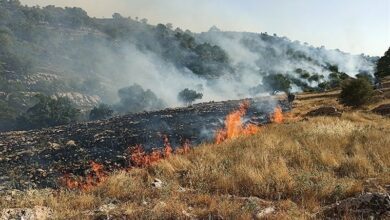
pixel 135 99
pixel 188 96
pixel 277 82
pixel 102 111
pixel 117 16
pixel 383 65
pixel 356 92
pixel 49 112
pixel 365 75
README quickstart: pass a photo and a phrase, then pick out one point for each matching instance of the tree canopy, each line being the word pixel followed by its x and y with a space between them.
pixel 383 65
pixel 188 96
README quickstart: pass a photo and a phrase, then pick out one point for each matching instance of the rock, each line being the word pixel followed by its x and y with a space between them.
pixel 71 143
pixel 264 212
pixel 157 183
pixel 54 146
pixel 382 110
pixel 36 213
pixel 107 207
pixel 189 215
pixel 325 111
pixel 366 206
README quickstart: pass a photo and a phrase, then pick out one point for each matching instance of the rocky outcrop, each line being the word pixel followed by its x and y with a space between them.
pixel 82 101
pixel 325 111
pixel 366 206
pixel 37 158
pixel 382 110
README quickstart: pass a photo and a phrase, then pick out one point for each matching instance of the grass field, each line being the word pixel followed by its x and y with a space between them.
pixel 296 168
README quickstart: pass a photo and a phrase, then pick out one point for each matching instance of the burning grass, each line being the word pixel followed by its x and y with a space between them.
pixel 297 167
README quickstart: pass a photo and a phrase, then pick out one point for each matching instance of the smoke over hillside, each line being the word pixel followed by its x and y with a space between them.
pixel 98 57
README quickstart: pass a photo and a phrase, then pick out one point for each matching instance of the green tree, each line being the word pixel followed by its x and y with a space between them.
pixel 135 99
pixel 188 96
pixel 277 82
pixel 356 92
pixel 383 65
pixel 49 112
pixel 102 111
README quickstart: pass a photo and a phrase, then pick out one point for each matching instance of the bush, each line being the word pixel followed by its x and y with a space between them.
pixel 135 99
pixel 102 111
pixel 277 82
pixel 48 112
pixel 356 92
pixel 188 96
pixel 383 65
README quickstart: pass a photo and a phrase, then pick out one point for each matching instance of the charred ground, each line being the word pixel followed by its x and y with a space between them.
pixel 37 158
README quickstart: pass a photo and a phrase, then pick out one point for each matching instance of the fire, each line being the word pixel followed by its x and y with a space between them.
pixel 277 116
pixel 186 147
pixel 139 158
pixel 234 126
pixel 94 178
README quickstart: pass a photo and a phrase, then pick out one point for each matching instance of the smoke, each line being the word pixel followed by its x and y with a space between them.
pixel 273 54
pixel 252 56
pixel 165 80
pixel 101 65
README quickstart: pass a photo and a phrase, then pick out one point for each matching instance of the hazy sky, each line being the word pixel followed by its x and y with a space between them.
pixel 356 26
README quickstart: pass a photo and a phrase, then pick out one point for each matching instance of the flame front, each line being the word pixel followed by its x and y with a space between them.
pixel 234 126
pixel 137 157
pixel 277 116
pixel 95 177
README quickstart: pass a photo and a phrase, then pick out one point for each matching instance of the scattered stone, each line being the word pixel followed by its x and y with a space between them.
pixel 325 111
pixel 71 143
pixel 36 213
pixel 107 207
pixel 54 146
pixel 264 212
pixel 382 110
pixel 157 183
pixel 366 206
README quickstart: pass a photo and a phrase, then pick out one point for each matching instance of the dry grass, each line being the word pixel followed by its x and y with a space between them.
pixel 298 167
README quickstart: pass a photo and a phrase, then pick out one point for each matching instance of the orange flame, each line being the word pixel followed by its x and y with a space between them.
pixel 94 178
pixel 277 116
pixel 139 158
pixel 186 147
pixel 234 126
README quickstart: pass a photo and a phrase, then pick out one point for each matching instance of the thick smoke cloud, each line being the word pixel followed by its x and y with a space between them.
pixel 251 56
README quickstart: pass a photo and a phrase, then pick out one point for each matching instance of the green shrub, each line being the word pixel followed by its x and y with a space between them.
pixel 102 111
pixel 188 96
pixel 356 92
pixel 48 112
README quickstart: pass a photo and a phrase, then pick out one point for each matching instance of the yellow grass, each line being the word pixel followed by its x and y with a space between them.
pixel 297 167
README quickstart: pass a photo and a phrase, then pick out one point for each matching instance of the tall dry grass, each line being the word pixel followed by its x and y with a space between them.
pixel 297 167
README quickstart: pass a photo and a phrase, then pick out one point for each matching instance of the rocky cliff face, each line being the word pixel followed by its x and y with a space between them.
pixel 38 158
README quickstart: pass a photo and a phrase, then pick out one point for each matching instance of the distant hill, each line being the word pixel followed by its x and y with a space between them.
pixel 64 52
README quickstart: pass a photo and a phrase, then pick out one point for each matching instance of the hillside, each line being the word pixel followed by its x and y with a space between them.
pixel 298 169
pixel 62 52
pixel 38 158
